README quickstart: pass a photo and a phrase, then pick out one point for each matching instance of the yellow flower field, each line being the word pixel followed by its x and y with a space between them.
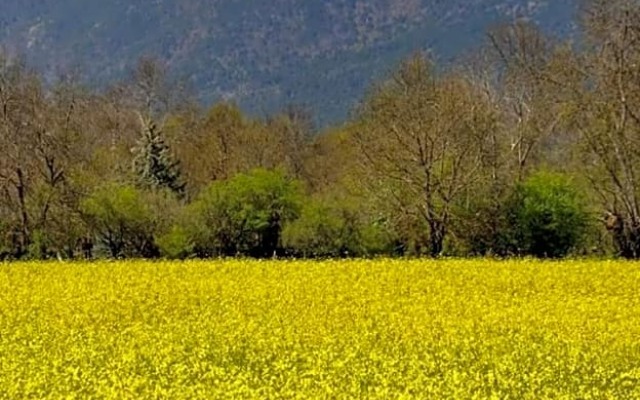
pixel 320 330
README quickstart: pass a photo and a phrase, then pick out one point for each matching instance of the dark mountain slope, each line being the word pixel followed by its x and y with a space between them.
pixel 264 54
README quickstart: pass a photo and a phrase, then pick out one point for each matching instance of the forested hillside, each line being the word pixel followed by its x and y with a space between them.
pixel 262 54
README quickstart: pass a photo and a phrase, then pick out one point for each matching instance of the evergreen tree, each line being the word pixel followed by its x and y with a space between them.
pixel 154 165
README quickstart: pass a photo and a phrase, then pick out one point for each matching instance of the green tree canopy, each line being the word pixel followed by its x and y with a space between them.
pixel 245 214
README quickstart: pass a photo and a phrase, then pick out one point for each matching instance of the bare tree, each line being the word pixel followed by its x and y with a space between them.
pixel 524 77
pixel 20 100
pixel 424 138
pixel 290 134
pixel 609 117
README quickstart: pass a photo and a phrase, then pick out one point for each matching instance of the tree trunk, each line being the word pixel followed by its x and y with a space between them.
pixel 626 235
pixel 437 233
pixel 21 189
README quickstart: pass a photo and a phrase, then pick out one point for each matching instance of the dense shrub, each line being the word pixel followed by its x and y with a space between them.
pixel 482 229
pixel 127 220
pixel 541 217
pixel 175 243
pixel 244 215
pixel 547 217
pixel 334 228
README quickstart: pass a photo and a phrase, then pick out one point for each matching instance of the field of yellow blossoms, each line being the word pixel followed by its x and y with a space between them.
pixel 320 330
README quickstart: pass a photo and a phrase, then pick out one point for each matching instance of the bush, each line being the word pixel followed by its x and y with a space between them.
pixel 547 217
pixel 482 227
pixel 126 219
pixel 244 215
pixel 336 226
pixel 175 244
pixel 317 233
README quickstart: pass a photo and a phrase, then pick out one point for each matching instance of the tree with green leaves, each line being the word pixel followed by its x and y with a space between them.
pixel 245 214
pixel 121 218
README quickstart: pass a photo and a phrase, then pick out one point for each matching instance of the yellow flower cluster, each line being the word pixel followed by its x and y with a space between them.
pixel 383 329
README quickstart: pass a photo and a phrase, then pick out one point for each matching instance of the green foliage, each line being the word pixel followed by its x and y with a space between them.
pixel 542 217
pixel 122 219
pixel 482 227
pixel 56 224
pixel 170 236
pixel 334 227
pixel 244 215
pixel 154 165
pixel 39 245
pixel 208 222
pixel 546 216
pixel 175 244
pixel 319 232
pixel 429 165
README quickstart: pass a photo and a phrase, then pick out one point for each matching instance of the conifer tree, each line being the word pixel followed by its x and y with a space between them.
pixel 154 165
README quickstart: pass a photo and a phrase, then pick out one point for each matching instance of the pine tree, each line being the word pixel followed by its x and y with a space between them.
pixel 154 165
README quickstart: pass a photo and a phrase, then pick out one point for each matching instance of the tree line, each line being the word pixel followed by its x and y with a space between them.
pixel 529 146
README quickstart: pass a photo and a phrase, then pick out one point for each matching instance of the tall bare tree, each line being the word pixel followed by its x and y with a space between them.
pixel 423 137
pixel 609 118
pixel 524 77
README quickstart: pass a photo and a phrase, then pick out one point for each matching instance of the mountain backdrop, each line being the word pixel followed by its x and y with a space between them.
pixel 262 54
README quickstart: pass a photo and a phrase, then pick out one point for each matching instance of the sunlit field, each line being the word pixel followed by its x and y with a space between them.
pixel 319 330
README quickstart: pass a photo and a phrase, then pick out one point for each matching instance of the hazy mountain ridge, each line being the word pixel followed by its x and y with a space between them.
pixel 263 54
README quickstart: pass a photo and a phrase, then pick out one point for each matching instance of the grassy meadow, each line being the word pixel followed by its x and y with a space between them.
pixel 384 329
